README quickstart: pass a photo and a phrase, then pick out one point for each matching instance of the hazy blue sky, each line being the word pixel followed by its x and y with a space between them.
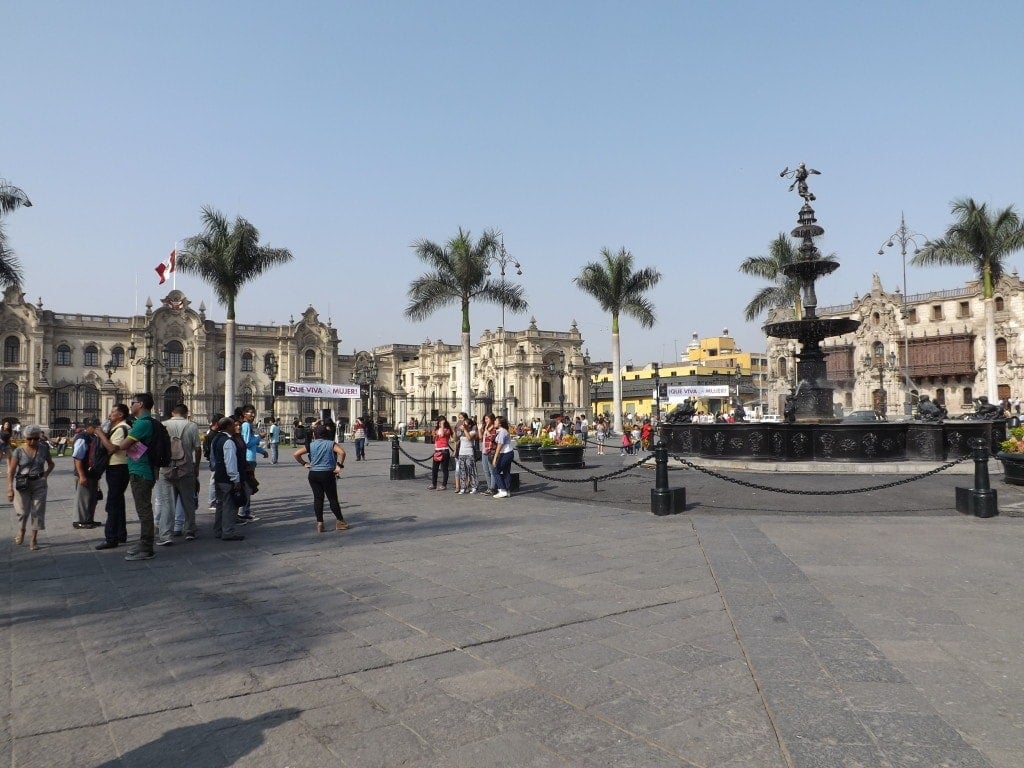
pixel 347 131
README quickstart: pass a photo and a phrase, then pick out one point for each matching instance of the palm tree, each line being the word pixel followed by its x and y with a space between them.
pixel 227 257
pixel 982 241
pixel 459 275
pixel 11 197
pixel 785 291
pixel 619 290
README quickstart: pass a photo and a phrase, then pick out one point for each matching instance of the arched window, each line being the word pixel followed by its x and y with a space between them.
pixel 309 359
pixel 783 368
pixel 1000 350
pixel 174 354
pixel 247 361
pixel 63 355
pixel 91 356
pixel 10 403
pixel 12 350
pixel 968 397
pixel 117 357
pixel 172 397
pixel 246 395
pixel 940 396
pixel 999 304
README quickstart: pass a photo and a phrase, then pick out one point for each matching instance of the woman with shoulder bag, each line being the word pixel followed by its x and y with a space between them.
pixel 442 454
pixel 27 469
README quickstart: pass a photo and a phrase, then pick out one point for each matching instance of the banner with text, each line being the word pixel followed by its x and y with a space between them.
pixel 676 393
pixel 306 389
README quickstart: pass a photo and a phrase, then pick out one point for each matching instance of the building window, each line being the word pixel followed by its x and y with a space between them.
pixel 309 362
pixel 940 396
pixel 968 398
pixel 936 311
pixel 12 350
pixel 999 304
pixel 117 357
pixel 222 360
pixel 63 355
pixel 1000 350
pixel 11 398
pixel 174 354
pixel 247 361
pixel 964 309
pixel 246 396
pixel 91 357
pixel 912 315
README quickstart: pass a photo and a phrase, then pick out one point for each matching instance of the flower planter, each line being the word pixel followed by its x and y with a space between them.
pixel 563 457
pixel 528 452
pixel 1013 467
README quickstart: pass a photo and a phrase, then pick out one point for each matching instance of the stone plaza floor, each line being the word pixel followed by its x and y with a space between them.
pixel 560 627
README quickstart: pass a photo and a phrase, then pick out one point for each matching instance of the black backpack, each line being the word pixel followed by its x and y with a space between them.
pixel 96 459
pixel 158 449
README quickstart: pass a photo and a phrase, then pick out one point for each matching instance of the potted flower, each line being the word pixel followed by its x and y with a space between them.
pixel 528 447
pixel 564 453
pixel 1011 454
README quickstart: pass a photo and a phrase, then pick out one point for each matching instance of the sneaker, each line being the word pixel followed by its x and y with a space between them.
pixel 472 490
pixel 431 487
pixel 164 542
pixel 107 545
pixel 178 534
pixel 442 488
pixel 190 537
pixel 212 507
pixel 138 554
pixel 500 495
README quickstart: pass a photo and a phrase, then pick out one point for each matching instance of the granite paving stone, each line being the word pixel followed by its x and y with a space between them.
pixel 569 628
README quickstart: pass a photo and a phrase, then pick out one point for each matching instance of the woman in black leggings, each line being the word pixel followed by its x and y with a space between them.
pixel 325 461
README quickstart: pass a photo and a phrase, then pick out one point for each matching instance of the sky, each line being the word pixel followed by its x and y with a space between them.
pixel 346 132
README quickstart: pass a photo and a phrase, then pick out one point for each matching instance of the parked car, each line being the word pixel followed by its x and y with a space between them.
pixel 859 417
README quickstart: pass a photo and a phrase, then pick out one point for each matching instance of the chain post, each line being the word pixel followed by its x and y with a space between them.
pixel 665 500
pixel 981 500
pixel 400 471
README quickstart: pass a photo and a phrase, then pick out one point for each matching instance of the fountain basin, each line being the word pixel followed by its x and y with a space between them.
pixel 812 328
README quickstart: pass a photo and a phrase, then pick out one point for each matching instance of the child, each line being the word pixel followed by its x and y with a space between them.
pixel 627 444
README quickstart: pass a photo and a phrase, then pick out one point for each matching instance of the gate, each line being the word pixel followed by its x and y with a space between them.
pixel 71 403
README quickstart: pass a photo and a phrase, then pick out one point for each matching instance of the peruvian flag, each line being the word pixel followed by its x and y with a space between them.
pixel 165 268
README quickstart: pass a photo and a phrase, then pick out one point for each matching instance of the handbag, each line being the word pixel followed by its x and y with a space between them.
pixel 21 482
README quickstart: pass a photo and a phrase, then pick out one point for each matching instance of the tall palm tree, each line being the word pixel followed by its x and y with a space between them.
pixel 619 290
pixel 982 241
pixel 458 275
pixel 785 291
pixel 11 197
pixel 227 257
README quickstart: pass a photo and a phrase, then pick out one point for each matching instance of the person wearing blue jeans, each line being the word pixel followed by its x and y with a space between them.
pixel 503 453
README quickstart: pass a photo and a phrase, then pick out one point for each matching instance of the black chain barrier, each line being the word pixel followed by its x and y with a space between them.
pixel 425 463
pixel 759 487
pixel 592 479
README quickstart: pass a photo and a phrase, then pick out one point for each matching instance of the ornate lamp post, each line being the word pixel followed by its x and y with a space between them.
pixel 44 366
pixel 270 368
pixel 560 371
pixel 881 363
pixel 365 375
pixel 503 262
pixel 147 360
pixel 904 237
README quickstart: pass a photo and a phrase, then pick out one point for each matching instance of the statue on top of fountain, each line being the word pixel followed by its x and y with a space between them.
pixel 682 413
pixel 799 176
pixel 986 411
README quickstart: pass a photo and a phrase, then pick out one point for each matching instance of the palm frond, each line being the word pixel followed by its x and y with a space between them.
pixel 12 197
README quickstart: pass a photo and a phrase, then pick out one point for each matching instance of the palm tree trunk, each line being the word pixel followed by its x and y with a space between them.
pixel 466 383
pixel 229 360
pixel 990 350
pixel 616 380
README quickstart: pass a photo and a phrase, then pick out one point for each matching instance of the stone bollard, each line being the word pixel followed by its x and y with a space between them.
pixel 980 500
pixel 665 500
pixel 400 471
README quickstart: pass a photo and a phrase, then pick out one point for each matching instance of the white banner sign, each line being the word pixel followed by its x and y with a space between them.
pixel 676 393
pixel 304 389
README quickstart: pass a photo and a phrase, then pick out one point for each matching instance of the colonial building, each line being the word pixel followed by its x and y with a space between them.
pixel 59 368
pixel 927 343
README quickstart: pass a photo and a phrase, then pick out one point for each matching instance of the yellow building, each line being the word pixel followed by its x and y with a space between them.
pixel 707 361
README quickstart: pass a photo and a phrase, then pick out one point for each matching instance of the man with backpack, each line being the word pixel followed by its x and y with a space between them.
pixel 88 454
pixel 178 482
pixel 148 448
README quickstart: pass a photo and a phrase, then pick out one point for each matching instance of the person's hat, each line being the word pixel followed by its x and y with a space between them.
pixel 91 422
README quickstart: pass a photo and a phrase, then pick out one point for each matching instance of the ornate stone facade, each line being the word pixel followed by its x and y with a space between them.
pixel 933 344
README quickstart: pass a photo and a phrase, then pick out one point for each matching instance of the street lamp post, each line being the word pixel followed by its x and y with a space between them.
pixel 365 375
pixel 503 262
pixel 148 360
pixel 881 363
pixel 271 367
pixel 904 237
pixel 560 371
